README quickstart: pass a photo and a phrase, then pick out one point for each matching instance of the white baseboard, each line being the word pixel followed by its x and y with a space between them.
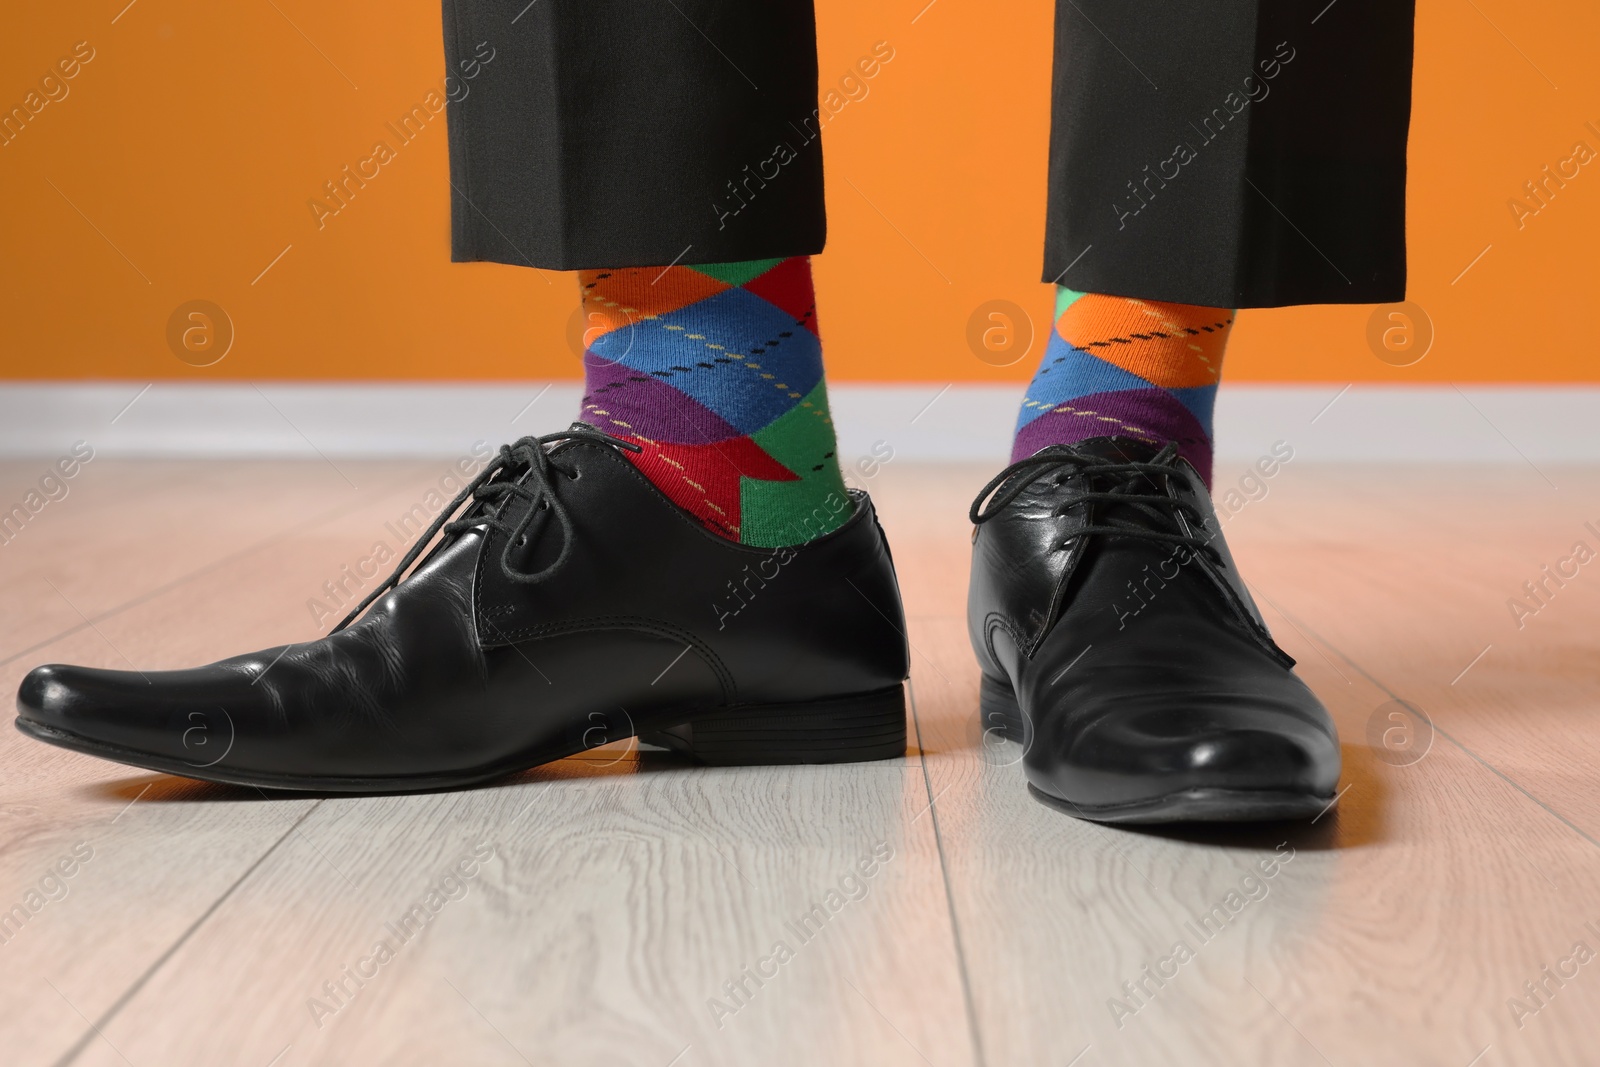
pixel 921 421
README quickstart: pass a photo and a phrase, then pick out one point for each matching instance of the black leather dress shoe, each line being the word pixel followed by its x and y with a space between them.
pixel 572 604
pixel 1120 646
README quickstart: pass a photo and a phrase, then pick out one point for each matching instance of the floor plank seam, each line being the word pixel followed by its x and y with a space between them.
pixel 1503 776
pixel 949 897
pixel 139 983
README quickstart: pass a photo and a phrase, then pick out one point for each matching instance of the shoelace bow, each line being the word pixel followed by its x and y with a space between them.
pixel 1109 481
pixel 523 471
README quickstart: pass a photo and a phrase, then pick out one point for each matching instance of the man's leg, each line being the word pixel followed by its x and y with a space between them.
pixel 1204 160
pixel 1269 168
pixel 656 572
pixel 1241 154
pixel 690 198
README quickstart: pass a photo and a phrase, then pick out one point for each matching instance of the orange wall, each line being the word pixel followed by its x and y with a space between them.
pixel 194 137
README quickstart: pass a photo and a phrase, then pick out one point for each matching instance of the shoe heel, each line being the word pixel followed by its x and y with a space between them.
pixel 852 729
pixel 999 710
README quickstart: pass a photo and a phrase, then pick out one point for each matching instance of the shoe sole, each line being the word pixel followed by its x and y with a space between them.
pixel 850 729
pixel 1000 711
pixel 1198 805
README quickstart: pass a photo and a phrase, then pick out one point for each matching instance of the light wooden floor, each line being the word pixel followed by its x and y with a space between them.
pixel 624 893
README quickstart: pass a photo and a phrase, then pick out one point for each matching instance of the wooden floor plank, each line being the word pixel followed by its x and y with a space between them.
pixel 111 543
pixel 615 906
pixel 626 889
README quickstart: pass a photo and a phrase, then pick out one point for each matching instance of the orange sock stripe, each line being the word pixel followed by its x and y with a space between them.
pixel 1175 346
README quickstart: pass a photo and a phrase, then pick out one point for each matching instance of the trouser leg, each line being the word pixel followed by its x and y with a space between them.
pixel 613 133
pixel 1237 153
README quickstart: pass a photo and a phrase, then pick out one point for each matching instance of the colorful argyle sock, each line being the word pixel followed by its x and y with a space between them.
pixel 716 370
pixel 1116 365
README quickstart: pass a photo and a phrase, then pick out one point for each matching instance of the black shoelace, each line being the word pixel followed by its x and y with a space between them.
pixel 1115 483
pixel 523 471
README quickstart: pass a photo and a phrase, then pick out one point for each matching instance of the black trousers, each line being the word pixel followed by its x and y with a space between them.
pixel 1232 153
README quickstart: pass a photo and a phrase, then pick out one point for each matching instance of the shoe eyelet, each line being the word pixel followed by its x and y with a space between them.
pixel 574 475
